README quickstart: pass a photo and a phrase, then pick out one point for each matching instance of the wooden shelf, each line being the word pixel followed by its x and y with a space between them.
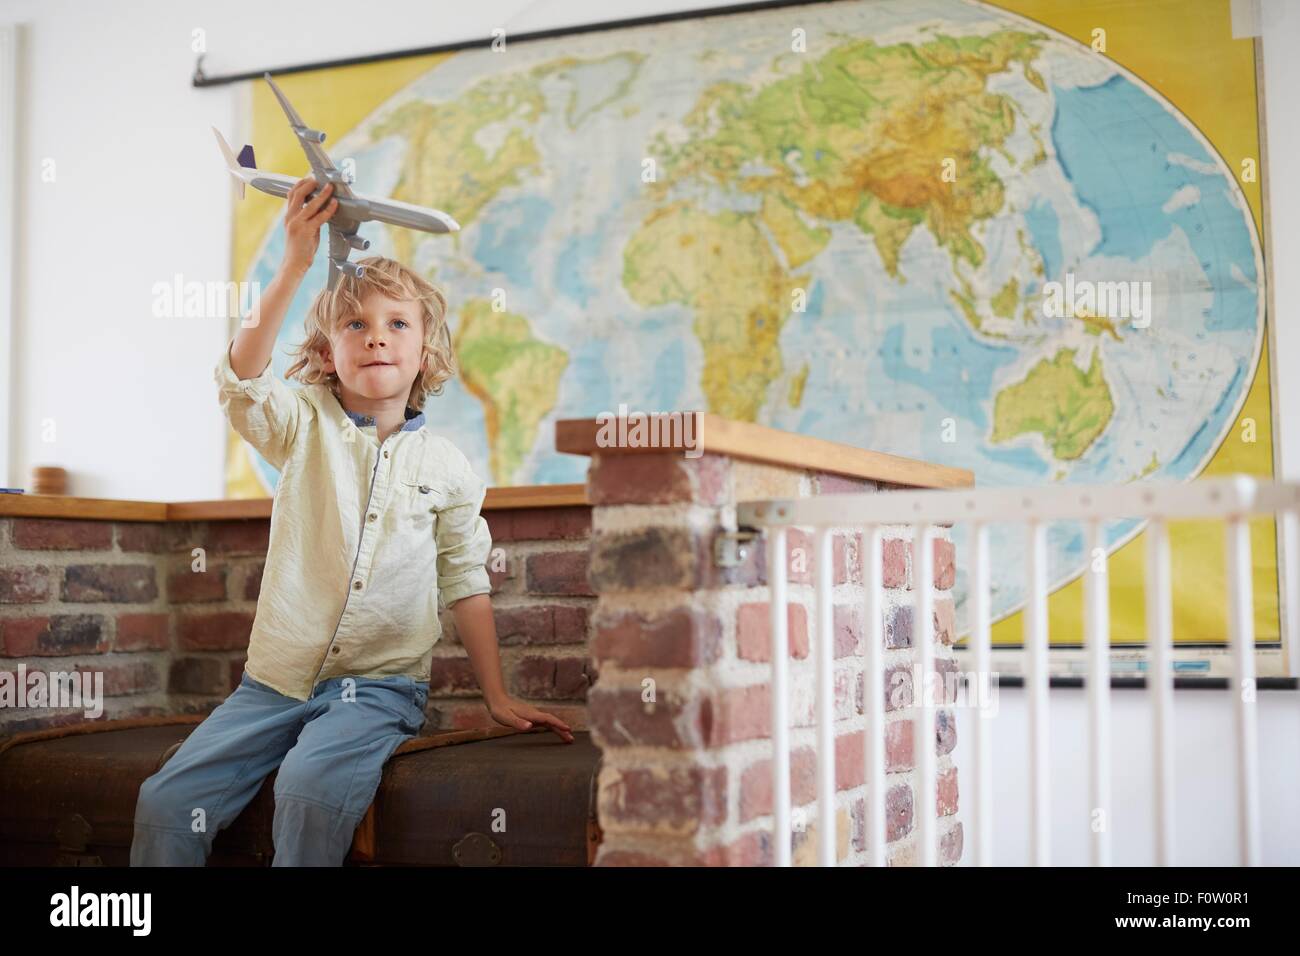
pixel 724 436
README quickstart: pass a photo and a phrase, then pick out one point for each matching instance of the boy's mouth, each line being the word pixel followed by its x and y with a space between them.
pixel 373 364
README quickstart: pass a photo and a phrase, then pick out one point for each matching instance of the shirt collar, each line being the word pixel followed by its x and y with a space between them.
pixel 413 421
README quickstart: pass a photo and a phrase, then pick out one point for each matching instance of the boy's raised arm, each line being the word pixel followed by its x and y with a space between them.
pixel 255 341
pixel 264 411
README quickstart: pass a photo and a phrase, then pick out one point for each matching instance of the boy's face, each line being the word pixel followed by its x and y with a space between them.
pixel 377 354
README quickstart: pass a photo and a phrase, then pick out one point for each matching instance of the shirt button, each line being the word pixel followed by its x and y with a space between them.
pixel 385 453
pixel 372 516
pixel 334 650
pixel 356 585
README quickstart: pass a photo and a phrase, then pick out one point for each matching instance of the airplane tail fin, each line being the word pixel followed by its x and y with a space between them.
pixel 233 164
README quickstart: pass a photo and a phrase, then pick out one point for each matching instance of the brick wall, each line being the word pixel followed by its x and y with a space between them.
pixel 124 599
pixel 682 708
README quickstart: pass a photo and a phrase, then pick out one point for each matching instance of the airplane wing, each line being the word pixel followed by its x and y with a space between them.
pixel 322 166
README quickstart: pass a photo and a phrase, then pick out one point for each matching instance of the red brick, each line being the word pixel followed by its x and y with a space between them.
pixel 752 849
pixel 898 626
pixel 253 580
pixel 25 585
pixel 551 678
pixel 540 524
pixel 754 631
pixel 672 637
pixel 134 677
pixel 459 714
pixel 500 569
pixel 847 623
pixel 452 675
pixel 62 534
pixel 950 846
pixel 541 624
pixel 54 636
pixel 221 631
pixel 945 564
pixel 802 556
pixel 850 765
pixel 900 745
pixel 115 583
pixel 831 484
pixel 945 732
pixel 146 537
pixel 945 620
pixel 947 792
pixel 898 812
pixel 756 784
pixel 657 478
pixel 644 558
pixel 245 536
pixel 656 799
pixel 558 572
pixel 735 714
pixel 620 718
pixel 142 632
pixel 187 586
pixel 894 555
pixel 846 550
pixel 898 687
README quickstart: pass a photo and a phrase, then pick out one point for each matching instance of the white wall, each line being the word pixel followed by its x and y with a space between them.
pixel 1205 809
pixel 104 92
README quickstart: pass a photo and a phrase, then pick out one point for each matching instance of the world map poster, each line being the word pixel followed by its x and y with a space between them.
pixel 905 226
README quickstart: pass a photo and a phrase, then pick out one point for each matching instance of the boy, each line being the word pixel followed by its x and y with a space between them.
pixel 375 527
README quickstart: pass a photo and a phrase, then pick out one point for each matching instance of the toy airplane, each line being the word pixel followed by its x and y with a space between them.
pixel 353 208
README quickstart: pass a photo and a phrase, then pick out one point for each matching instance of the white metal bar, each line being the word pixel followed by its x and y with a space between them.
pixel 1241 631
pixel 924 694
pixel 779 606
pixel 1096 608
pixel 874 695
pixel 1291 587
pixel 1160 682
pixel 981 643
pixel 1036 689
pixel 13 36
pixel 1208 498
pixel 826 855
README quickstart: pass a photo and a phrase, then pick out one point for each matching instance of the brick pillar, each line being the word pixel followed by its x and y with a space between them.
pixel 681 707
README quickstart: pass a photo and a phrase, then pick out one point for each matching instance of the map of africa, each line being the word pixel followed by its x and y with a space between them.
pixel 849 239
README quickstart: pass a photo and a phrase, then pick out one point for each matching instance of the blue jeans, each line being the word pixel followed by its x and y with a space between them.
pixel 330 750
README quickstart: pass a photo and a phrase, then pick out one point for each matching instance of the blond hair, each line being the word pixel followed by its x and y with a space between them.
pixel 331 310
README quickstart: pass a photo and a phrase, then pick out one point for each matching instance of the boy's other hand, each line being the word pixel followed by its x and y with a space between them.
pixel 521 716
pixel 302 222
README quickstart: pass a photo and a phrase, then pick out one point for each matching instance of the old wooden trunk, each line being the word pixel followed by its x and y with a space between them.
pixel 491 797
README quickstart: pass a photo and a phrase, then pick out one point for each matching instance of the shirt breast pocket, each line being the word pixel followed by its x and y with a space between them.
pixel 419 499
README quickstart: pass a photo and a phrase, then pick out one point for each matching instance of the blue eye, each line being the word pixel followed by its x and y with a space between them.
pixel 404 323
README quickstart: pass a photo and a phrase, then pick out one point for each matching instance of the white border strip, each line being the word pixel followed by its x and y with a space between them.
pixel 9 40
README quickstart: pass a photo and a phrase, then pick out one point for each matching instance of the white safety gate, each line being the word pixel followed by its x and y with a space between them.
pixel 1230 500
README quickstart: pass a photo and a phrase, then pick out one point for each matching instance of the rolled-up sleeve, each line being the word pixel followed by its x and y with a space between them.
pixel 263 410
pixel 463 540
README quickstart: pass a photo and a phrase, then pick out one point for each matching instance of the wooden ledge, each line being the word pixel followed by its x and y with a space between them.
pixel 234 509
pixel 724 436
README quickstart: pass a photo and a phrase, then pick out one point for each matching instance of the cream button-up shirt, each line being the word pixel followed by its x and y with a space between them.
pixel 369 540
